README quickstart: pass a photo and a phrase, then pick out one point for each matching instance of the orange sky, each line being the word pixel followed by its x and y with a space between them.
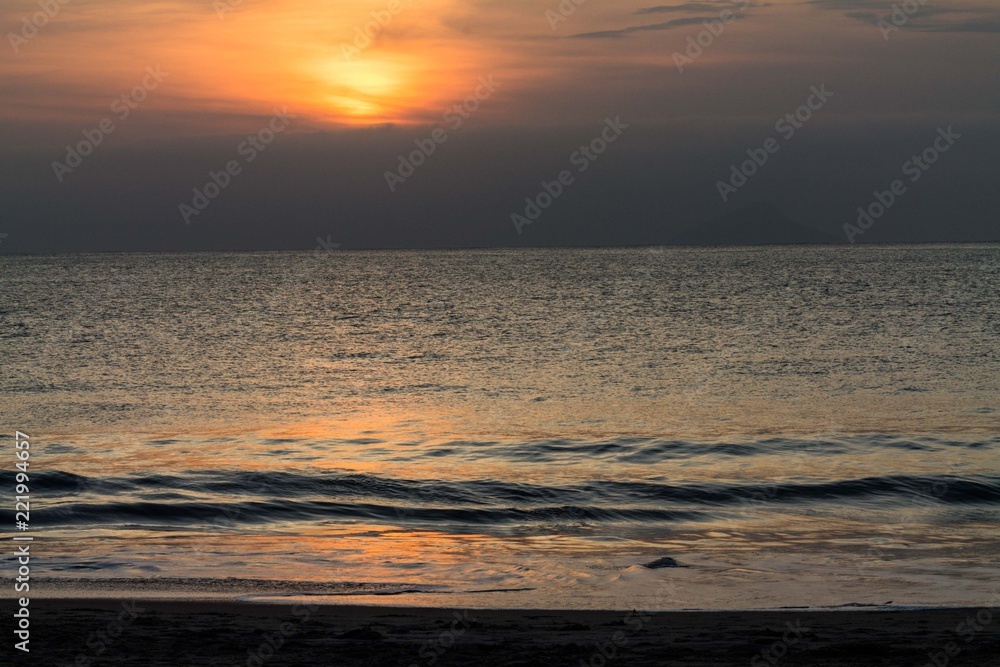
pixel 248 58
pixel 229 64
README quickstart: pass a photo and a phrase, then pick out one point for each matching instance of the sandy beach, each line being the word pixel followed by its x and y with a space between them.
pixel 157 632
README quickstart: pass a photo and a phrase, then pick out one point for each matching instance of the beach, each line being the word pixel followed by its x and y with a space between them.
pixel 191 633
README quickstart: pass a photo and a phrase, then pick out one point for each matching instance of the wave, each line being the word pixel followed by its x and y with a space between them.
pixel 227 497
pixel 653 450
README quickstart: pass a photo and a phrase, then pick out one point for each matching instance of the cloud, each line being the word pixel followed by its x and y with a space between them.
pixel 735 7
pixel 925 19
pixel 972 25
pixel 666 25
pixel 688 7
pixel 848 4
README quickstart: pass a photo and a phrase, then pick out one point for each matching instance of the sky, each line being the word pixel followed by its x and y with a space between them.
pixel 268 124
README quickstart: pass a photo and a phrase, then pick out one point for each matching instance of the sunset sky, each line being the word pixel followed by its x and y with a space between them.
pixel 558 75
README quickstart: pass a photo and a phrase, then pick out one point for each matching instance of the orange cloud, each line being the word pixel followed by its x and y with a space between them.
pixel 339 62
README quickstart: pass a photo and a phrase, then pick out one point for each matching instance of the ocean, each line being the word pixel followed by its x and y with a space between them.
pixel 794 426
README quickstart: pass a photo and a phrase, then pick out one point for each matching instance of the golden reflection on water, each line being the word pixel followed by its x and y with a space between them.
pixel 381 446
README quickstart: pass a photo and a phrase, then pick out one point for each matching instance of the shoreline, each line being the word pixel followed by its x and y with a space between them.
pixel 385 601
pixel 128 631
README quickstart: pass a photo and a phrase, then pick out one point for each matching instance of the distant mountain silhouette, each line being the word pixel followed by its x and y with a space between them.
pixel 755 224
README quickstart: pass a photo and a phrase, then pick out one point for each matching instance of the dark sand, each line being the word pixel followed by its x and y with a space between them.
pixel 186 634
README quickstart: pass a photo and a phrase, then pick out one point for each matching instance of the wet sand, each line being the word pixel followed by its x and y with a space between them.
pixel 187 634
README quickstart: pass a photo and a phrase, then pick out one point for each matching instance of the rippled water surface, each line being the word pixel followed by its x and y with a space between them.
pixel 798 426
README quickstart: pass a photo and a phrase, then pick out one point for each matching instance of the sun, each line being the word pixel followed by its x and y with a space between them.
pixel 373 77
pixel 364 90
